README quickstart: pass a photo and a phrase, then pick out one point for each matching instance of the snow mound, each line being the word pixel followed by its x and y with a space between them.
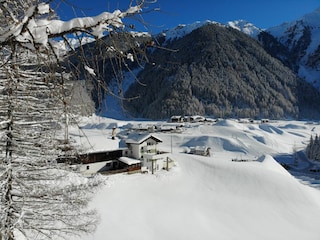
pixel 292 126
pixel 271 164
pixel 217 144
pixel 226 123
pixel 260 139
pixel 270 129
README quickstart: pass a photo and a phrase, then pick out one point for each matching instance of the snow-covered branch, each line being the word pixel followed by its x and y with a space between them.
pixel 34 30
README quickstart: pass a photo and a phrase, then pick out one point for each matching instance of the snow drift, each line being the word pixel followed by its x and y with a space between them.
pixel 215 197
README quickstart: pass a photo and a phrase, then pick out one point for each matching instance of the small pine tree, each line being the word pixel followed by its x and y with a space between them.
pixel 313 148
pixel 309 147
pixel 317 148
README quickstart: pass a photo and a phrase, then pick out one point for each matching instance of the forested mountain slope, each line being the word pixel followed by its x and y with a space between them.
pixel 219 71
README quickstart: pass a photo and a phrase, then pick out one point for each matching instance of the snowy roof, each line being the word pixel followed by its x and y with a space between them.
pixel 94 140
pixel 138 138
pixel 129 161
pixel 200 148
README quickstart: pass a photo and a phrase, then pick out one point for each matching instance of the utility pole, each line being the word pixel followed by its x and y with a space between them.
pixel 152 166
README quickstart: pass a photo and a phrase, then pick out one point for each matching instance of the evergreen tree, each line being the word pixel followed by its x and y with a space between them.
pixel 313 148
pixel 308 150
pixel 316 148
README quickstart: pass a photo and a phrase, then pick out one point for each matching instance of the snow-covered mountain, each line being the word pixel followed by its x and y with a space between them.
pixel 302 39
pixel 299 40
pixel 183 29
pixel 245 27
pixel 290 33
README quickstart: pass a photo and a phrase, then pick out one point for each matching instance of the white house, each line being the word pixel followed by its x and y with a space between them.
pixel 144 148
pixel 141 143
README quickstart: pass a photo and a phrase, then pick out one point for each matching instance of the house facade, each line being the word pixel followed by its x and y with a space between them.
pixel 144 147
pixel 139 144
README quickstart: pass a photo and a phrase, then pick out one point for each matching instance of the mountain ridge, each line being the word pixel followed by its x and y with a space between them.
pixel 300 37
pixel 218 71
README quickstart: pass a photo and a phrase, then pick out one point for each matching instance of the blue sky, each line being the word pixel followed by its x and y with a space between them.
pixel 262 13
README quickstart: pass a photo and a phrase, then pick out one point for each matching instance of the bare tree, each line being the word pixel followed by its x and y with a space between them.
pixel 39 198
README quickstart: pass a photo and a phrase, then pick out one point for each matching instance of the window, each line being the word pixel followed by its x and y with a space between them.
pixel 88 167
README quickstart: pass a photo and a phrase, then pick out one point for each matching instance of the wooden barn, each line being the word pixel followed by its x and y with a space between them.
pixel 101 156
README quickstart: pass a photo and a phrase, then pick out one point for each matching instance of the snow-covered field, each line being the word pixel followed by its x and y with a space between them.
pixel 215 197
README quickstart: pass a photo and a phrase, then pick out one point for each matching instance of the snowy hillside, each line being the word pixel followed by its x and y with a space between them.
pixel 309 20
pixel 213 197
pixel 302 37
